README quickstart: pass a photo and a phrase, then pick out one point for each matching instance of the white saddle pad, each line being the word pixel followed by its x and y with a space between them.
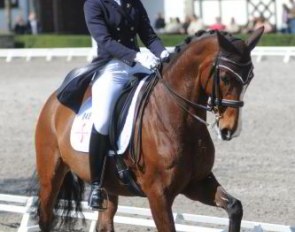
pixel 82 125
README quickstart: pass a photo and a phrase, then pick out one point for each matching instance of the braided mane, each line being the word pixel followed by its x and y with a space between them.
pixel 198 36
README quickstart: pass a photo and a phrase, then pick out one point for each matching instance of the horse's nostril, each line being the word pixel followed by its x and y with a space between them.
pixel 226 134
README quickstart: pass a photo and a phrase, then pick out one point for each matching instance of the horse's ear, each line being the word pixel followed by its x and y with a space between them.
pixel 225 44
pixel 254 38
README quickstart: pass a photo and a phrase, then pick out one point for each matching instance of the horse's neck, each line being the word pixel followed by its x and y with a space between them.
pixel 165 122
pixel 182 77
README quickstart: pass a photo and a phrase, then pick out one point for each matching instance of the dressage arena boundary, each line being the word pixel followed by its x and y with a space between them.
pixel 89 53
pixel 132 216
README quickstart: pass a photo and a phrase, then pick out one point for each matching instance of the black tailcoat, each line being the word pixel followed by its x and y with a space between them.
pixel 115 27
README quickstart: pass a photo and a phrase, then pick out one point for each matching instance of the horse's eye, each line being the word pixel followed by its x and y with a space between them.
pixel 225 80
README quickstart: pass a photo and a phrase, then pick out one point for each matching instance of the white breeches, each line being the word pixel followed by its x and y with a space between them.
pixel 106 90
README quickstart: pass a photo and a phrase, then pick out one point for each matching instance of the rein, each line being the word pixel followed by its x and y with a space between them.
pixel 215 101
pixel 183 102
pixel 213 105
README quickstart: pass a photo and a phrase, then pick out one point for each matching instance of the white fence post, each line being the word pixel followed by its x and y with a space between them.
pixel 26 216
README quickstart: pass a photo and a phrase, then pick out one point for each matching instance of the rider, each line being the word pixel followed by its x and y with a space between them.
pixel 114 24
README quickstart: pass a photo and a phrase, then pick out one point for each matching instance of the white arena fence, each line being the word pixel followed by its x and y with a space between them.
pixel 286 53
pixel 133 216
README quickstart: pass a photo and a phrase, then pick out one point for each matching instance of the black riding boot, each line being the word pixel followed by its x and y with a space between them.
pixel 98 149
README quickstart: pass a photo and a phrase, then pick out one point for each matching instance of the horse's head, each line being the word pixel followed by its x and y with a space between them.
pixel 226 81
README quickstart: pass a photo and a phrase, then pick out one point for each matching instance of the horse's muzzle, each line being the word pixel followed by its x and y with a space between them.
pixel 226 134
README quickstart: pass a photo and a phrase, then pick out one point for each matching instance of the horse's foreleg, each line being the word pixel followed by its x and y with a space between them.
pixel 210 192
pixel 51 172
pixel 161 207
pixel 106 218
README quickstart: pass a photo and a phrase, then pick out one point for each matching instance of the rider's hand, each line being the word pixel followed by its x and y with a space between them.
pixel 148 60
pixel 164 55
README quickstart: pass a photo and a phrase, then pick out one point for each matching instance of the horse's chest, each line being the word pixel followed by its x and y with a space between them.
pixel 203 157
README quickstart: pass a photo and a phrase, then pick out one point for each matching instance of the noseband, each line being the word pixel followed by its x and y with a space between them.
pixel 215 101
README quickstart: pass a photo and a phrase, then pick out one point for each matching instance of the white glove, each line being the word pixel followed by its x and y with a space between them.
pixel 164 54
pixel 148 60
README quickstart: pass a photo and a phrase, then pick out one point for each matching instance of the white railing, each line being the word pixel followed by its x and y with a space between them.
pixel 69 53
pixel 285 52
pixel 47 53
pixel 134 216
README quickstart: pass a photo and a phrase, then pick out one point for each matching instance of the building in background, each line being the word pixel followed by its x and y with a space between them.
pixel 62 16
pixel 66 16
pixel 55 16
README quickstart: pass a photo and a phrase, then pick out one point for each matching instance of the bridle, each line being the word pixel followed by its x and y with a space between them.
pixel 215 101
pixel 222 62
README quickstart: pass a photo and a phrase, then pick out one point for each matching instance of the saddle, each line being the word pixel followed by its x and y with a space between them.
pixel 118 120
pixel 72 90
pixel 71 94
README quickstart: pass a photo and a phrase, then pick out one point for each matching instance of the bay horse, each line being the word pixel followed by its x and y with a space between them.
pixel 210 71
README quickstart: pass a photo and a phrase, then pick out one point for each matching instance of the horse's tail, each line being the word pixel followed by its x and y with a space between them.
pixel 33 185
pixel 69 199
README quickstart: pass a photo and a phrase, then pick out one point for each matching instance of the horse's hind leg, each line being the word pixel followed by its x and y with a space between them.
pixel 210 192
pixel 106 218
pixel 51 172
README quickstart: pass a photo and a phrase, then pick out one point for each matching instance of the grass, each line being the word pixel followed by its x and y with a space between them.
pixel 53 41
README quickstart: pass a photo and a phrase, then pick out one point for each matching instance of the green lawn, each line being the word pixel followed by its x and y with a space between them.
pixel 50 41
